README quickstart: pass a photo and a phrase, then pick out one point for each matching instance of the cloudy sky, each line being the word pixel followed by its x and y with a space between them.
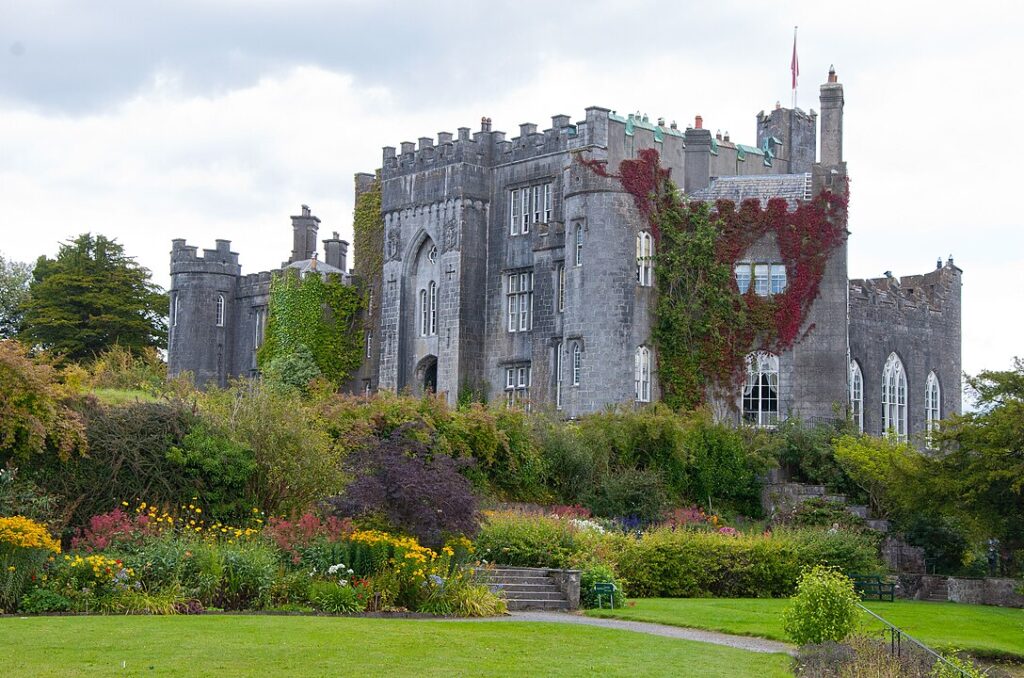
pixel 204 119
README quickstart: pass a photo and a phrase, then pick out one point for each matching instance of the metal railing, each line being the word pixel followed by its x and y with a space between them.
pixel 896 637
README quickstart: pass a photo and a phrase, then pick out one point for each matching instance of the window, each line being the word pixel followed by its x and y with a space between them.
pixel 220 310
pixel 894 397
pixel 778 280
pixel 517 386
pixel 520 302
pixel 432 254
pixel 174 310
pixel 424 313
pixel 432 301
pixel 529 205
pixel 369 344
pixel 743 277
pixel 768 279
pixel 644 259
pixel 257 329
pixel 558 376
pixel 642 374
pixel 857 395
pixel 761 280
pixel 561 288
pixel 514 210
pixel 579 244
pixel 761 390
pixel 932 407
pixel 577 363
pixel 367 388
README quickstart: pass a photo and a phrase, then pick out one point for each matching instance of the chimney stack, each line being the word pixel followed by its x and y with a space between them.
pixel 335 251
pixel 831 121
pixel 304 229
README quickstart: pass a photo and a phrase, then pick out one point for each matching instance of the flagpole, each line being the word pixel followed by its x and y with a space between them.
pixel 795 68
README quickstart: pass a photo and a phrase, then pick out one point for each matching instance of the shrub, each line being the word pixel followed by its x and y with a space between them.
pixel 630 492
pixel 824 608
pixel 334 598
pixel 595 573
pixel 691 563
pixel 820 512
pixel 418 491
pixel 473 599
pixel 120 368
pixel 24 547
pixel 22 497
pixel 42 600
pixel 526 540
pixel 570 469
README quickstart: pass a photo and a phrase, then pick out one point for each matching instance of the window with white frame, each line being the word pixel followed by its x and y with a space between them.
pixel 220 310
pixel 768 279
pixel 642 374
pixel 561 287
pixel 857 395
pixel 579 244
pixel 424 313
pixel 644 259
pixel 520 301
pixel 369 344
pixel 894 397
pixel 558 376
pixel 932 407
pixel 577 363
pixel 529 205
pixel 517 386
pixel 432 303
pixel 174 310
pixel 761 390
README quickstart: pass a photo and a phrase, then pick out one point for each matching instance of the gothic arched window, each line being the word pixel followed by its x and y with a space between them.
pixel 558 376
pixel 220 310
pixel 894 397
pixel 432 301
pixel 642 374
pixel 644 259
pixel 932 406
pixel 857 396
pixel 424 313
pixel 577 363
pixel 579 244
pixel 761 390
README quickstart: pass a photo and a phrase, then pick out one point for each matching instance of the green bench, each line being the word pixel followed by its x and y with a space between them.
pixel 871 587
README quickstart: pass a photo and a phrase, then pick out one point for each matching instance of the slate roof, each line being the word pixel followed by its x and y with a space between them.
pixel 791 187
pixel 304 266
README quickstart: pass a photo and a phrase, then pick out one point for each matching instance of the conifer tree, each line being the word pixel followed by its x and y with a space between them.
pixel 91 297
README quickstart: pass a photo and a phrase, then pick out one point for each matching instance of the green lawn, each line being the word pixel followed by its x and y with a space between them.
pixel 224 646
pixel 978 628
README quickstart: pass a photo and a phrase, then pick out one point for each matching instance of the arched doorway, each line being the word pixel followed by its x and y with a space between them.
pixel 426 375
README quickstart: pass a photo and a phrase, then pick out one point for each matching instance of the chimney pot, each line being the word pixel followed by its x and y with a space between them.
pixel 698 122
pixel 832 74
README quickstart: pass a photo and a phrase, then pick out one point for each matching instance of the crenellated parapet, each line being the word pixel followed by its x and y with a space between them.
pixel 937 291
pixel 219 260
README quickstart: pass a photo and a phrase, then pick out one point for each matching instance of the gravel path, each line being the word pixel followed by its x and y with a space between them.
pixel 741 642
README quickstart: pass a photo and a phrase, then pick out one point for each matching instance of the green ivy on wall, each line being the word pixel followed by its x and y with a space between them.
pixel 318 315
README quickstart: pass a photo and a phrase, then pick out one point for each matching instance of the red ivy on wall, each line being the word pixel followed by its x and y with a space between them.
pixel 806 237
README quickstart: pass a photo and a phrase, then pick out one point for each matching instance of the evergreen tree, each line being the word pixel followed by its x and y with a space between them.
pixel 91 297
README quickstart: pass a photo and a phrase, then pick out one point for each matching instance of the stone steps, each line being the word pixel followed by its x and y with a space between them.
pixel 938 592
pixel 525 588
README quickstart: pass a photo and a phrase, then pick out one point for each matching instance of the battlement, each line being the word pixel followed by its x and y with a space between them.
pixel 255 284
pixel 934 291
pixel 219 260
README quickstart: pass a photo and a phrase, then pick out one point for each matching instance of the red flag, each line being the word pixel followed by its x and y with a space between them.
pixel 794 66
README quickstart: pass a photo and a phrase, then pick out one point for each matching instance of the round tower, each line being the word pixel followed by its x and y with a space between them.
pixel 202 311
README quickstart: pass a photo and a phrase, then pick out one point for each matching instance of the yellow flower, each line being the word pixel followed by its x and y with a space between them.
pixel 124 503
pixel 199 510
pixel 11 568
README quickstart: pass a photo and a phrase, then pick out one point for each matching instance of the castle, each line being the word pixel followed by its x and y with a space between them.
pixel 512 273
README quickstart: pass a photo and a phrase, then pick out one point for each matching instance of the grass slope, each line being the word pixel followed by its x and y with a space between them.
pixel 980 629
pixel 226 646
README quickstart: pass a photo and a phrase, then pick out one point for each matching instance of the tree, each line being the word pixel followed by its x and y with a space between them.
pixel 33 415
pixel 91 297
pixel 982 459
pixel 14 280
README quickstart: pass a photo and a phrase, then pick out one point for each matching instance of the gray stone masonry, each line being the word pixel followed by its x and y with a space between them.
pixel 443 301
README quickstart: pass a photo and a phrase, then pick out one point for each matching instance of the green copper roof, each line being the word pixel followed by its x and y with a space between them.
pixel 633 122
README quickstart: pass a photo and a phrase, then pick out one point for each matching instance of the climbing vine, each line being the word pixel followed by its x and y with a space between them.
pixel 703 327
pixel 368 237
pixel 318 315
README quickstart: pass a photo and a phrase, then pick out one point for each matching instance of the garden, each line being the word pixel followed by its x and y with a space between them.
pixel 122 492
